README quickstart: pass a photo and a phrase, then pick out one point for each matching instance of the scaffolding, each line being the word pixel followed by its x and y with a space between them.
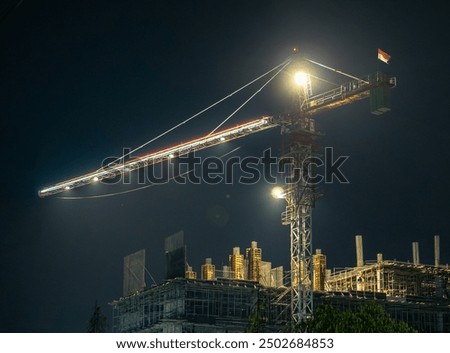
pixel 226 300
pixel 424 314
pixel 183 305
pixel 394 278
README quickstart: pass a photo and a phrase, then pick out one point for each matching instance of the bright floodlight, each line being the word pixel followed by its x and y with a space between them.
pixel 95 179
pixel 171 155
pixel 67 188
pixel 301 78
pixel 278 192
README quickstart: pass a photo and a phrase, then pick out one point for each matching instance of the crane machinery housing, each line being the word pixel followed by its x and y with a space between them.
pixel 300 196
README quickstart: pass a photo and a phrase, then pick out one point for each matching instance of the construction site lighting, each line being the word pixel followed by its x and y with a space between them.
pixel 301 78
pixel 278 192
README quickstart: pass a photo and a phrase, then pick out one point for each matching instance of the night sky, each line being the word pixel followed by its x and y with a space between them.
pixel 80 80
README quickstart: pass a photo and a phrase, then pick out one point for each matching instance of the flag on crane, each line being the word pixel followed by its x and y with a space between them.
pixel 383 56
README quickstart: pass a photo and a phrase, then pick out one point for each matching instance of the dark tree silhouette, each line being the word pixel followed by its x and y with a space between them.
pixel 258 318
pixel 98 322
pixel 369 317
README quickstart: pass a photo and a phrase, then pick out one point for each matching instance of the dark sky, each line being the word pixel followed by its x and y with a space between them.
pixel 80 80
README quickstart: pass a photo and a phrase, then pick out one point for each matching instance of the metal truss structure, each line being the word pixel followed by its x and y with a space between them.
pixel 394 278
pixel 299 194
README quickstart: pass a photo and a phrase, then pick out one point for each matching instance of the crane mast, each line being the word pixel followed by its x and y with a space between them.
pixel 300 194
pixel 300 197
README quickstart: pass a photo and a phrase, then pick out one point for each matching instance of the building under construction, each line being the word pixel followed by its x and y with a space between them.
pixel 224 300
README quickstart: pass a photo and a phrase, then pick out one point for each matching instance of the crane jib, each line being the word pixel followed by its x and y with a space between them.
pixel 198 144
pixel 374 86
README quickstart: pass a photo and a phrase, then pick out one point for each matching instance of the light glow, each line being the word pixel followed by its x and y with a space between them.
pixel 301 78
pixel 278 192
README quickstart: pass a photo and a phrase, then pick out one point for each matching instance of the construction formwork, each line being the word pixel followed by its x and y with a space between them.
pixel 237 264
pixel 183 305
pixel 394 278
pixel 254 258
pixel 319 266
pixel 208 270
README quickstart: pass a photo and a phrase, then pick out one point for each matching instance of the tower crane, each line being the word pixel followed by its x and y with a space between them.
pixel 300 196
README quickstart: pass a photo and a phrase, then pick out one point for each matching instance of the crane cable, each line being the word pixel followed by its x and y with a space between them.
pixel 285 63
pixel 337 71
pixel 248 100
pixel 323 80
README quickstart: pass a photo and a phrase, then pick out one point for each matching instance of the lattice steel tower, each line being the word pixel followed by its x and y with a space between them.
pixel 300 197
